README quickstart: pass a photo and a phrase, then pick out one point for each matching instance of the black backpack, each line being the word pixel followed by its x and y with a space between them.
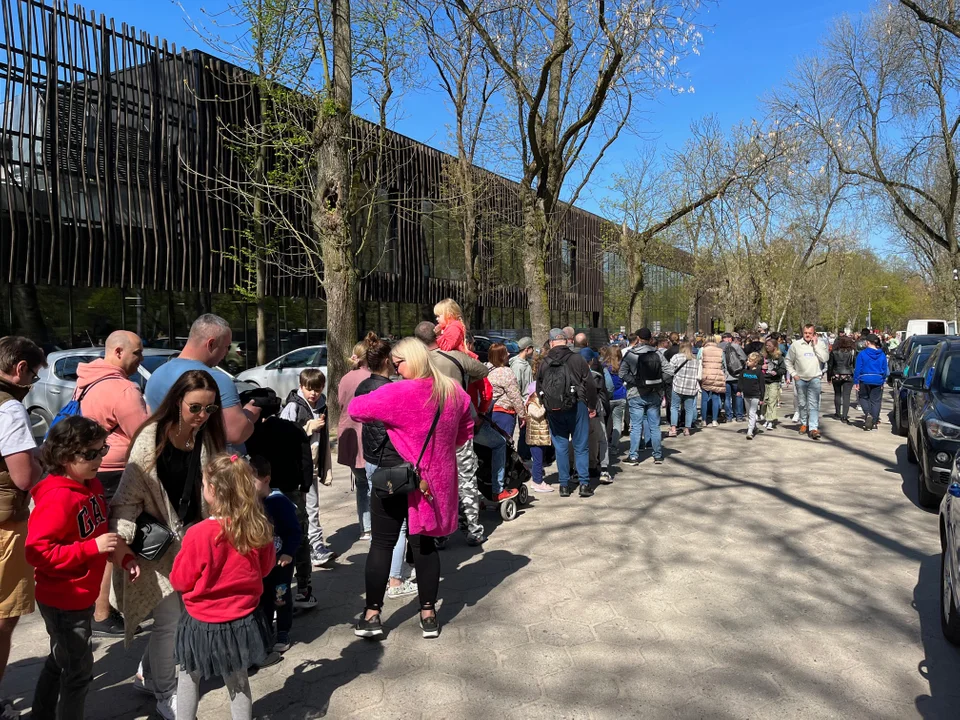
pixel 649 374
pixel 734 363
pixel 556 388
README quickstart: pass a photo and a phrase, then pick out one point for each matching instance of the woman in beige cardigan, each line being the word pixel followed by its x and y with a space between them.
pixel 163 479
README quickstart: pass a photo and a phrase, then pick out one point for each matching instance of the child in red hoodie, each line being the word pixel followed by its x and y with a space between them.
pixel 67 544
pixel 220 570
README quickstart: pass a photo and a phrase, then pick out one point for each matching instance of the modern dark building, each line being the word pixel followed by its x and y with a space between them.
pixel 116 164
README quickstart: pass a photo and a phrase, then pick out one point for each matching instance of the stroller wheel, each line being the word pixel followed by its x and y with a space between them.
pixel 524 494
pixel 508 509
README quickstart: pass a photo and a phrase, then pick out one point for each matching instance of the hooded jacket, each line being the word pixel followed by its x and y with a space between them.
pixel 297 409
pixel 521 368
pixel 115 403
pixel 871 367
pixel 629 368
pixel 62 533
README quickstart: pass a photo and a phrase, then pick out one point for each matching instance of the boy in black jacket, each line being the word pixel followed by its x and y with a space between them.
pixel 751 386
pixel 285 446
pixel 277 598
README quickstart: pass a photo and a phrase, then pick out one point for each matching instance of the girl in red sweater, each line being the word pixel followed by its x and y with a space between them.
pixel 220 571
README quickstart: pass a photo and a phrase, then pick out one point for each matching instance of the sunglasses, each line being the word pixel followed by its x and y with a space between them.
pixel 397 362
pixel 195 408
pixel 94 453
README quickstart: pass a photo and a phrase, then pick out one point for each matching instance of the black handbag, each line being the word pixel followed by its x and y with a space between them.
pixel 152 538
pixel 404 478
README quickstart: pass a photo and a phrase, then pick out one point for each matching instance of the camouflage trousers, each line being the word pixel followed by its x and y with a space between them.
pixel 469 492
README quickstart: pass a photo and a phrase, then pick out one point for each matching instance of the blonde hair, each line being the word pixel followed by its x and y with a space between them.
pixel 238 508
pixel 686 349
pixel 754 359
pixel 417 357
pixel 448 308
pixel 718 339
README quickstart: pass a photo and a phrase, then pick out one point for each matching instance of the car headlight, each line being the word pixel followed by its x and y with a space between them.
pixel 940 430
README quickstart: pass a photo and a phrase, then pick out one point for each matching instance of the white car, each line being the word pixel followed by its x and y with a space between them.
pixel 950 561
pixel 58 381
pixel 283 374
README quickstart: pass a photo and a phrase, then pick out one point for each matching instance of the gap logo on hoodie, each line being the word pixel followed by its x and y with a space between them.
pixel 91 515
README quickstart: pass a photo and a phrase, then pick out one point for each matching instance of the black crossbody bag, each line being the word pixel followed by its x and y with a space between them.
pixel 405 478
pixel 152 538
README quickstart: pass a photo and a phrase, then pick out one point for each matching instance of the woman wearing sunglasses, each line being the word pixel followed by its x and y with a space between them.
pixel 407 410
pixel 162 482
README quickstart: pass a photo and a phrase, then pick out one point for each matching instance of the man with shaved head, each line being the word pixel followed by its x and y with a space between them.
pixel 107 396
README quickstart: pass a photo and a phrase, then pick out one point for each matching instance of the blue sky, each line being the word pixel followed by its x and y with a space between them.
pixel 750 46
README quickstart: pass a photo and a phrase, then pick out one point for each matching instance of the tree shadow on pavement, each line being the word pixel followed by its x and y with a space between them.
pixel 941 664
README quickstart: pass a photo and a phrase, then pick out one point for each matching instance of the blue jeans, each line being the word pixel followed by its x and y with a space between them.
pixel 808 402
pixel 707 399
pixel 645 422
pixel 506 422
pixel 489 438
pixel 573 423
pixel 362 486
pixel 536 454
pixel 400 549
pixel 732 404
pixel 689 403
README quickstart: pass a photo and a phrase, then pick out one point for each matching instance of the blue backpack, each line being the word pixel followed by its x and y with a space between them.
pixel 73 407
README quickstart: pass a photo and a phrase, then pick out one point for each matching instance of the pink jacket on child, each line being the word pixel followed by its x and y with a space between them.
pixel 406 410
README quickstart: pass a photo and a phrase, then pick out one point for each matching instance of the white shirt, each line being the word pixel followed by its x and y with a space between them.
pixel 16 435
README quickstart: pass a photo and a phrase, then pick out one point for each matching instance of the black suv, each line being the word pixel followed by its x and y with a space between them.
pixel 933 410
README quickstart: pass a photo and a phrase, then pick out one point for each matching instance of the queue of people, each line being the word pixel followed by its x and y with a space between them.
pixel 202 510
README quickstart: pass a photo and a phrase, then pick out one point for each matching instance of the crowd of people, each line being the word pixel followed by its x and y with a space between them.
pixel 201 509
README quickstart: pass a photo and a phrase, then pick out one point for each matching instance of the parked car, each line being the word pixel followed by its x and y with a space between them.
pixel 913 367
pixel 950 561
pixel 235 360
pixel 933 431
pixel 58 381
pixel 283 374
pixel 899 356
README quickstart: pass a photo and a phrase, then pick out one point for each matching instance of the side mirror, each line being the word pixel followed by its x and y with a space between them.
pixel 915 383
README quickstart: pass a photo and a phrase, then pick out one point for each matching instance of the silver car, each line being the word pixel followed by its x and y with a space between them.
pixel 283 374
pixel 58 381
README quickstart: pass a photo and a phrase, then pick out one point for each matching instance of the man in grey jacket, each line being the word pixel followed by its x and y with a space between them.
pixel 520 364
pixel 644 372
pixel 736 359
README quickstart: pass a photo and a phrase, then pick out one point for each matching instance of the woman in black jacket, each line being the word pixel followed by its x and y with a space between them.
pixel 840 367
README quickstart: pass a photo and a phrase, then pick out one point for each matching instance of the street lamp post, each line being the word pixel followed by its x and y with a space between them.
pixel 870 308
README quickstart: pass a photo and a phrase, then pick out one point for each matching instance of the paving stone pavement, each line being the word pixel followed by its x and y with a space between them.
pixel 778 578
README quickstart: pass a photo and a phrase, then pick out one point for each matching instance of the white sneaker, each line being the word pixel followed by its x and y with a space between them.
pixel 796 417
pixel 768 426
pixel 714 424
pixel 167 709
pixel 405 588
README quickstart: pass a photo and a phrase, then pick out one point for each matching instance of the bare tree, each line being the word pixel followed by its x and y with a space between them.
pixel 943 14
pixel 574 69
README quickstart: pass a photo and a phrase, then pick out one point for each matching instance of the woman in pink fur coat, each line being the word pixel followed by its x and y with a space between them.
pixel 407 410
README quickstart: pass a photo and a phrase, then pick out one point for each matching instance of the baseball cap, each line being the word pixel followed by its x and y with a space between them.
pixel 524 342
pixel 557 334
pixel 727 335
pixel 644 333
pixel 873 339
pixel 762 325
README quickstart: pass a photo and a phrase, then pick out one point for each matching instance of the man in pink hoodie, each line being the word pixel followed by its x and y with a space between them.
pixel 117 405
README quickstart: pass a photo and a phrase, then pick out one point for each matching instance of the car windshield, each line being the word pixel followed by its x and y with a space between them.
pixel 950 375
pixel 152 362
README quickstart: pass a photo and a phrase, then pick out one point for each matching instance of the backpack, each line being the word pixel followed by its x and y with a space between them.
pixel 649 375
pixel 556 389
pixel 603 396
pixel 734 363
pixel 73 407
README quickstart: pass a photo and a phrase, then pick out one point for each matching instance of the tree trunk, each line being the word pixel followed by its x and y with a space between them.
pixel 27 315
pixel 535 266
pixel 692 315
pixel 261 312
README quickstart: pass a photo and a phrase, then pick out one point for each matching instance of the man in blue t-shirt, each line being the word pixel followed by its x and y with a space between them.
pixel 209 341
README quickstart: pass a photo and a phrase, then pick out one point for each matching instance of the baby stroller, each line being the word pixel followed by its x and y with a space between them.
pixel 515 476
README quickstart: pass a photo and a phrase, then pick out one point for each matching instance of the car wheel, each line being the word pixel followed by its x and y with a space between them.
pixel 949 615
pixel 901 428
pixel 925 498
pixel 39 423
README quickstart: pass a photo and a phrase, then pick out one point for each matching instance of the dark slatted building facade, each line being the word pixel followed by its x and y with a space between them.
pixel 113 213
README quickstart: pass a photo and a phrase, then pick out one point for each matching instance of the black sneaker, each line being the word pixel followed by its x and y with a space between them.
pixel 476 540
pixel 564 491
pixel 658 461
pixel 430 626
pixel 632 460
pixel 868 423
pixel 111 627
pixel 586 491
pixel 371 629
pixel 440 542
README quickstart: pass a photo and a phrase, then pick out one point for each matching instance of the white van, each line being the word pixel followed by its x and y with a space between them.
pixel 929 327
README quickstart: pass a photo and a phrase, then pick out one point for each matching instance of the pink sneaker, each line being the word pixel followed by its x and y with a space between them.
pixel 541 487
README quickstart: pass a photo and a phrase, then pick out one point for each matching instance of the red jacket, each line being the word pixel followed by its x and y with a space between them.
pixel 62 541
pixel 218 583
